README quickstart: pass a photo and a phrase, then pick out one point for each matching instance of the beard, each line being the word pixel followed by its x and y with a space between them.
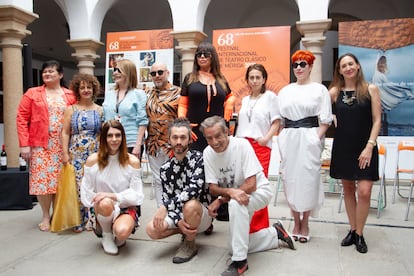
pixel 179 149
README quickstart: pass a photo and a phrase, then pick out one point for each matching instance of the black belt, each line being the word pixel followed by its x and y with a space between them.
pixel 307 122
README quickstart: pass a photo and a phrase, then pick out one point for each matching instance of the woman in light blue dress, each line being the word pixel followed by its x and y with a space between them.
pixel 127 104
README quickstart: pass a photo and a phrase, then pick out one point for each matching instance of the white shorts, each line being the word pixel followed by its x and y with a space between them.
pixel 204 223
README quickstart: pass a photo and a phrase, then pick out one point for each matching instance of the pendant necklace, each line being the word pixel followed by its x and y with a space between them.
pixel 348 97
pixel 251 106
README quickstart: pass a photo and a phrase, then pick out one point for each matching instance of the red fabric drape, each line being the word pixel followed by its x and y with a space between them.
pixel 260 219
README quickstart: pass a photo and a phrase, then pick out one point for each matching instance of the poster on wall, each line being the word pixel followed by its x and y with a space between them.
pixel 385 49
pixel 239 48
pixel 144 48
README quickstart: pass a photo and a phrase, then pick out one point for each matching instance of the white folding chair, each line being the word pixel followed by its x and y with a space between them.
pixel 409 197
pixel 146 172
pixel 382 192
pixel 279 186
pixel 405 164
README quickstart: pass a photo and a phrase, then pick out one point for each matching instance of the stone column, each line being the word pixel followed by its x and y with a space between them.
pixel 313 39
pixel 85 53
pixel 187 44
pixel 13 23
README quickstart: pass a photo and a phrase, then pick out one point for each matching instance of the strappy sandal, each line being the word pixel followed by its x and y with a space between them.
pixel 304 239
pixel 44 227
pixel 295 237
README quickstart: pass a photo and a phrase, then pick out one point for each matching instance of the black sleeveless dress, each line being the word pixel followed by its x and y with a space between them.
pixel 354 124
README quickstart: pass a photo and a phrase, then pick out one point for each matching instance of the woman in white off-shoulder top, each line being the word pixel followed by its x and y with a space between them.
pixel 112 185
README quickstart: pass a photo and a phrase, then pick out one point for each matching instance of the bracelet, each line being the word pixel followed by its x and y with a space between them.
pixel 372 142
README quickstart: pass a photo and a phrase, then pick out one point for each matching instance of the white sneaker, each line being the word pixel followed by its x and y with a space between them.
pixel 108 244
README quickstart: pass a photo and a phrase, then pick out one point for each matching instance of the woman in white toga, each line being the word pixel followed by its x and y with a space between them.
pixel 305 107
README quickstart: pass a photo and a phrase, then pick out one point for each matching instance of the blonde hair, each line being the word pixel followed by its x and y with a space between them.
pixel 129 69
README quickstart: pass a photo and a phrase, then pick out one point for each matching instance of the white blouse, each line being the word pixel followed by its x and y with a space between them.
pixel 125 182
pixel 257 115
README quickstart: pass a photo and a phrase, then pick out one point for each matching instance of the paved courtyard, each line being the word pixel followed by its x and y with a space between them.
pixel 27 251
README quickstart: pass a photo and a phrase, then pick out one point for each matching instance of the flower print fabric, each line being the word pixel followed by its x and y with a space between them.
pixel 182 181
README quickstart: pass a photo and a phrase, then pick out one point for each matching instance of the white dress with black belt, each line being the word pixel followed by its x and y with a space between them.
pixel 300 148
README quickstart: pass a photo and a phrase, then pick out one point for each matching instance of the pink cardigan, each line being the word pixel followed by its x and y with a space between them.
pixel 33 118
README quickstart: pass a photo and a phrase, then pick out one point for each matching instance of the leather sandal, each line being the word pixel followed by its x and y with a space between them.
pixel 304 239
pixel 44 227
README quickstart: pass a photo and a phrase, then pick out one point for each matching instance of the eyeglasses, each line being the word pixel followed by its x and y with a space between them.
pixel 159 72
pixel 203 53
pixel 302 64
pixel 116 69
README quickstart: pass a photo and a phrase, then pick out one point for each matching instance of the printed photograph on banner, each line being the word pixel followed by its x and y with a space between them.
pixel 112 59
pixel 384 48
pixel 143 48
pixel 147 59
pixel 239 48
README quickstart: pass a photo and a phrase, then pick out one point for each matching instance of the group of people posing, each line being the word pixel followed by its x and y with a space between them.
pixel 198 167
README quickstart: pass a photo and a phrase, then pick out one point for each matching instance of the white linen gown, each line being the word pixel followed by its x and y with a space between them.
pixel 301 148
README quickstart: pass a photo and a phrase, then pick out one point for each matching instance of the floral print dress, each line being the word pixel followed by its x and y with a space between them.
pixel 46 163
pixel 84 140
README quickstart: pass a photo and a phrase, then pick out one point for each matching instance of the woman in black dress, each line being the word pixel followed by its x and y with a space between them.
pixel 357 107
pixel 204 92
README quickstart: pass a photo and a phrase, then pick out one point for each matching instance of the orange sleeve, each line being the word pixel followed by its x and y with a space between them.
pixel 229 107
pixel 182 106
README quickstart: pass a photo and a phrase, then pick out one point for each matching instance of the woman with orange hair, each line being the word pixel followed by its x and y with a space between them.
pixel 305 108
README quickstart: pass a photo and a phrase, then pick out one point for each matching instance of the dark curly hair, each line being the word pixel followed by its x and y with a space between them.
pixel 89 79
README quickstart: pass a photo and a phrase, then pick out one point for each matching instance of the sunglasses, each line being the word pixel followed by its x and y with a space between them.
pixel 116 69
pixel 159 72
pixel 302 64
pixel 205 54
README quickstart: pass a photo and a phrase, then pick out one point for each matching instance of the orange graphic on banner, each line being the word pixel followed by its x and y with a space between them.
pixel 139 40
pixel 377 34
pixel 239 48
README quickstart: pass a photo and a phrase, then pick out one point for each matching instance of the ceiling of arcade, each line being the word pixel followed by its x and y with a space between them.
pixel 50 31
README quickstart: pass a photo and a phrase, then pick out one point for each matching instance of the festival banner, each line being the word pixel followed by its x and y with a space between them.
pixel 385 49
pixel 144 48
pixel 239 48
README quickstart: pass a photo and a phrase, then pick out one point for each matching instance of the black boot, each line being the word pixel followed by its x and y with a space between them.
pixel 349 239
pixel 360 244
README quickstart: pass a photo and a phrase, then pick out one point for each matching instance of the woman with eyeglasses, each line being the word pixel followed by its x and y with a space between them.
pixel 204 92
pixel 126 103
pixel 357 108
pixel 305 108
